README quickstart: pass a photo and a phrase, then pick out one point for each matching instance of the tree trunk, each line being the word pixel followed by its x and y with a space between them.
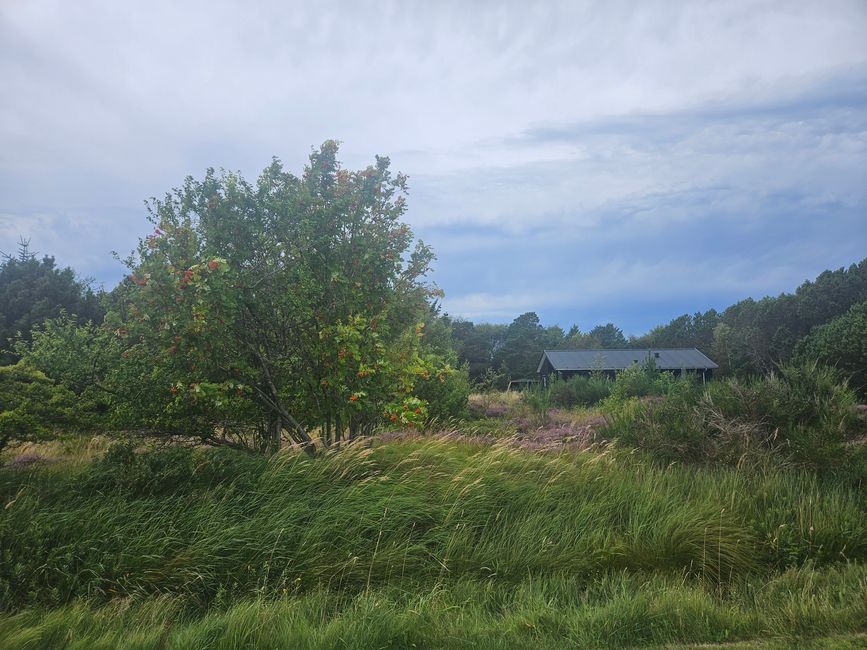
pixel 272 399
pixel 276 431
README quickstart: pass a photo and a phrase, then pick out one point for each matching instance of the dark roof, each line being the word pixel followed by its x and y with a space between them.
pixel 668 359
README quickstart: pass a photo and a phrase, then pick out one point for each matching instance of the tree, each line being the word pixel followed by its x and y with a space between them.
pixel 841 343
pixel 32 291
pixel 682 332
pixel 523 342
pixel 609 336
pixel 477 344
pixel 257 310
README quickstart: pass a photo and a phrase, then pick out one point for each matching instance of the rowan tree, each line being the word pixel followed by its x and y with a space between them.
pixel 257 310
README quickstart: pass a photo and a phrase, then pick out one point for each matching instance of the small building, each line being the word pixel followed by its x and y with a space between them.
pixel 567 363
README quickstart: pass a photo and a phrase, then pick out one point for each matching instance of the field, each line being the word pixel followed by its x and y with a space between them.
pixel 431 540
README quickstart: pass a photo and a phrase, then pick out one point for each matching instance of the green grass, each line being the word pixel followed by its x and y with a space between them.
pixel 616 610
pixel 427 541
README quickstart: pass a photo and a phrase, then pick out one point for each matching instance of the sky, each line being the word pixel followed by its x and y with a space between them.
pixel 589 161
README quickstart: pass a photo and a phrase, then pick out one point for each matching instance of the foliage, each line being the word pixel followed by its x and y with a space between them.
pixel 254 311
pixel 841 343
pixel 32 406
pixel 686 331
pixel 445 393
pixel 755 336
pixel 32 291
pixel 476 346
pixel 607 336
pixel 749 337
pixel 642 380
pixel 490 381
pixel 539 399
pixel 495 353
pixel 579 391
pixel 160 472
pixel 523 342
pixel 81 358
pixel 803 413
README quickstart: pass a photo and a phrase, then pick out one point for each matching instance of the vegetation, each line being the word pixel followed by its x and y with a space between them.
pixel 801 608
pixel 802 414
pixel 32 291
pixel 751 337
pixel 560 540
pixel 840 343
pixel 198 468
pixel 288 308
pixel 33 406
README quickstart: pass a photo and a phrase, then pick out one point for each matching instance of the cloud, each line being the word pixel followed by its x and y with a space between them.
pixel 619 144
pixel 811 140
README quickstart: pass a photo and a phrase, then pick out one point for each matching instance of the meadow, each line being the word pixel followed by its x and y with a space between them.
pixel 437 539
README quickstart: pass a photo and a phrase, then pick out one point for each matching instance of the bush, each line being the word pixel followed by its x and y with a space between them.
pixel 446 394
pixel 538 400
pixel 579 391
pixel 32 406
pixel 158 472
pixel 665 425
pixel 489 382
pixel 802 414
pixel 804 411
pixel 135 473
pixel 643 380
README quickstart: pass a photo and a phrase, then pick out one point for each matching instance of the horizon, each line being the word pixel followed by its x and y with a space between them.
pixel 591 163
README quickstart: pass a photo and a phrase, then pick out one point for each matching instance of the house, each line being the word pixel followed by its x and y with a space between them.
pixel 567 363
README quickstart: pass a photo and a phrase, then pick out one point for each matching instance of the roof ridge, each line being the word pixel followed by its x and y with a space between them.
pixel 614 349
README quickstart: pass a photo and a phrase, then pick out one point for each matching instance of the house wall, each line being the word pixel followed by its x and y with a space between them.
pixel 612 374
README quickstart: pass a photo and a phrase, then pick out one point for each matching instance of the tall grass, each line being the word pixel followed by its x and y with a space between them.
pixel 620 609
pixel 408 514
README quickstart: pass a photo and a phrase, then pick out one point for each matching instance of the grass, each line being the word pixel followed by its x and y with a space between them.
pixel 617 610
pixel 441 543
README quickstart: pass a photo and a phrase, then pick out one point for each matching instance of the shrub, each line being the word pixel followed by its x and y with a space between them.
pixel 804 411
pixel 446 394
pixel 489 382
pixel 803 414
pixel 579 391
pixel 538 400
pixel 157 472
pixel 642 380
pixel 32 406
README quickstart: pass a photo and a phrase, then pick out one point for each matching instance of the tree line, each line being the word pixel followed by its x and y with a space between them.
pixel 824 319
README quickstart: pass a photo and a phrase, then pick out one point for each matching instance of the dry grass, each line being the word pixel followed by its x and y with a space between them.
pixel 70 450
